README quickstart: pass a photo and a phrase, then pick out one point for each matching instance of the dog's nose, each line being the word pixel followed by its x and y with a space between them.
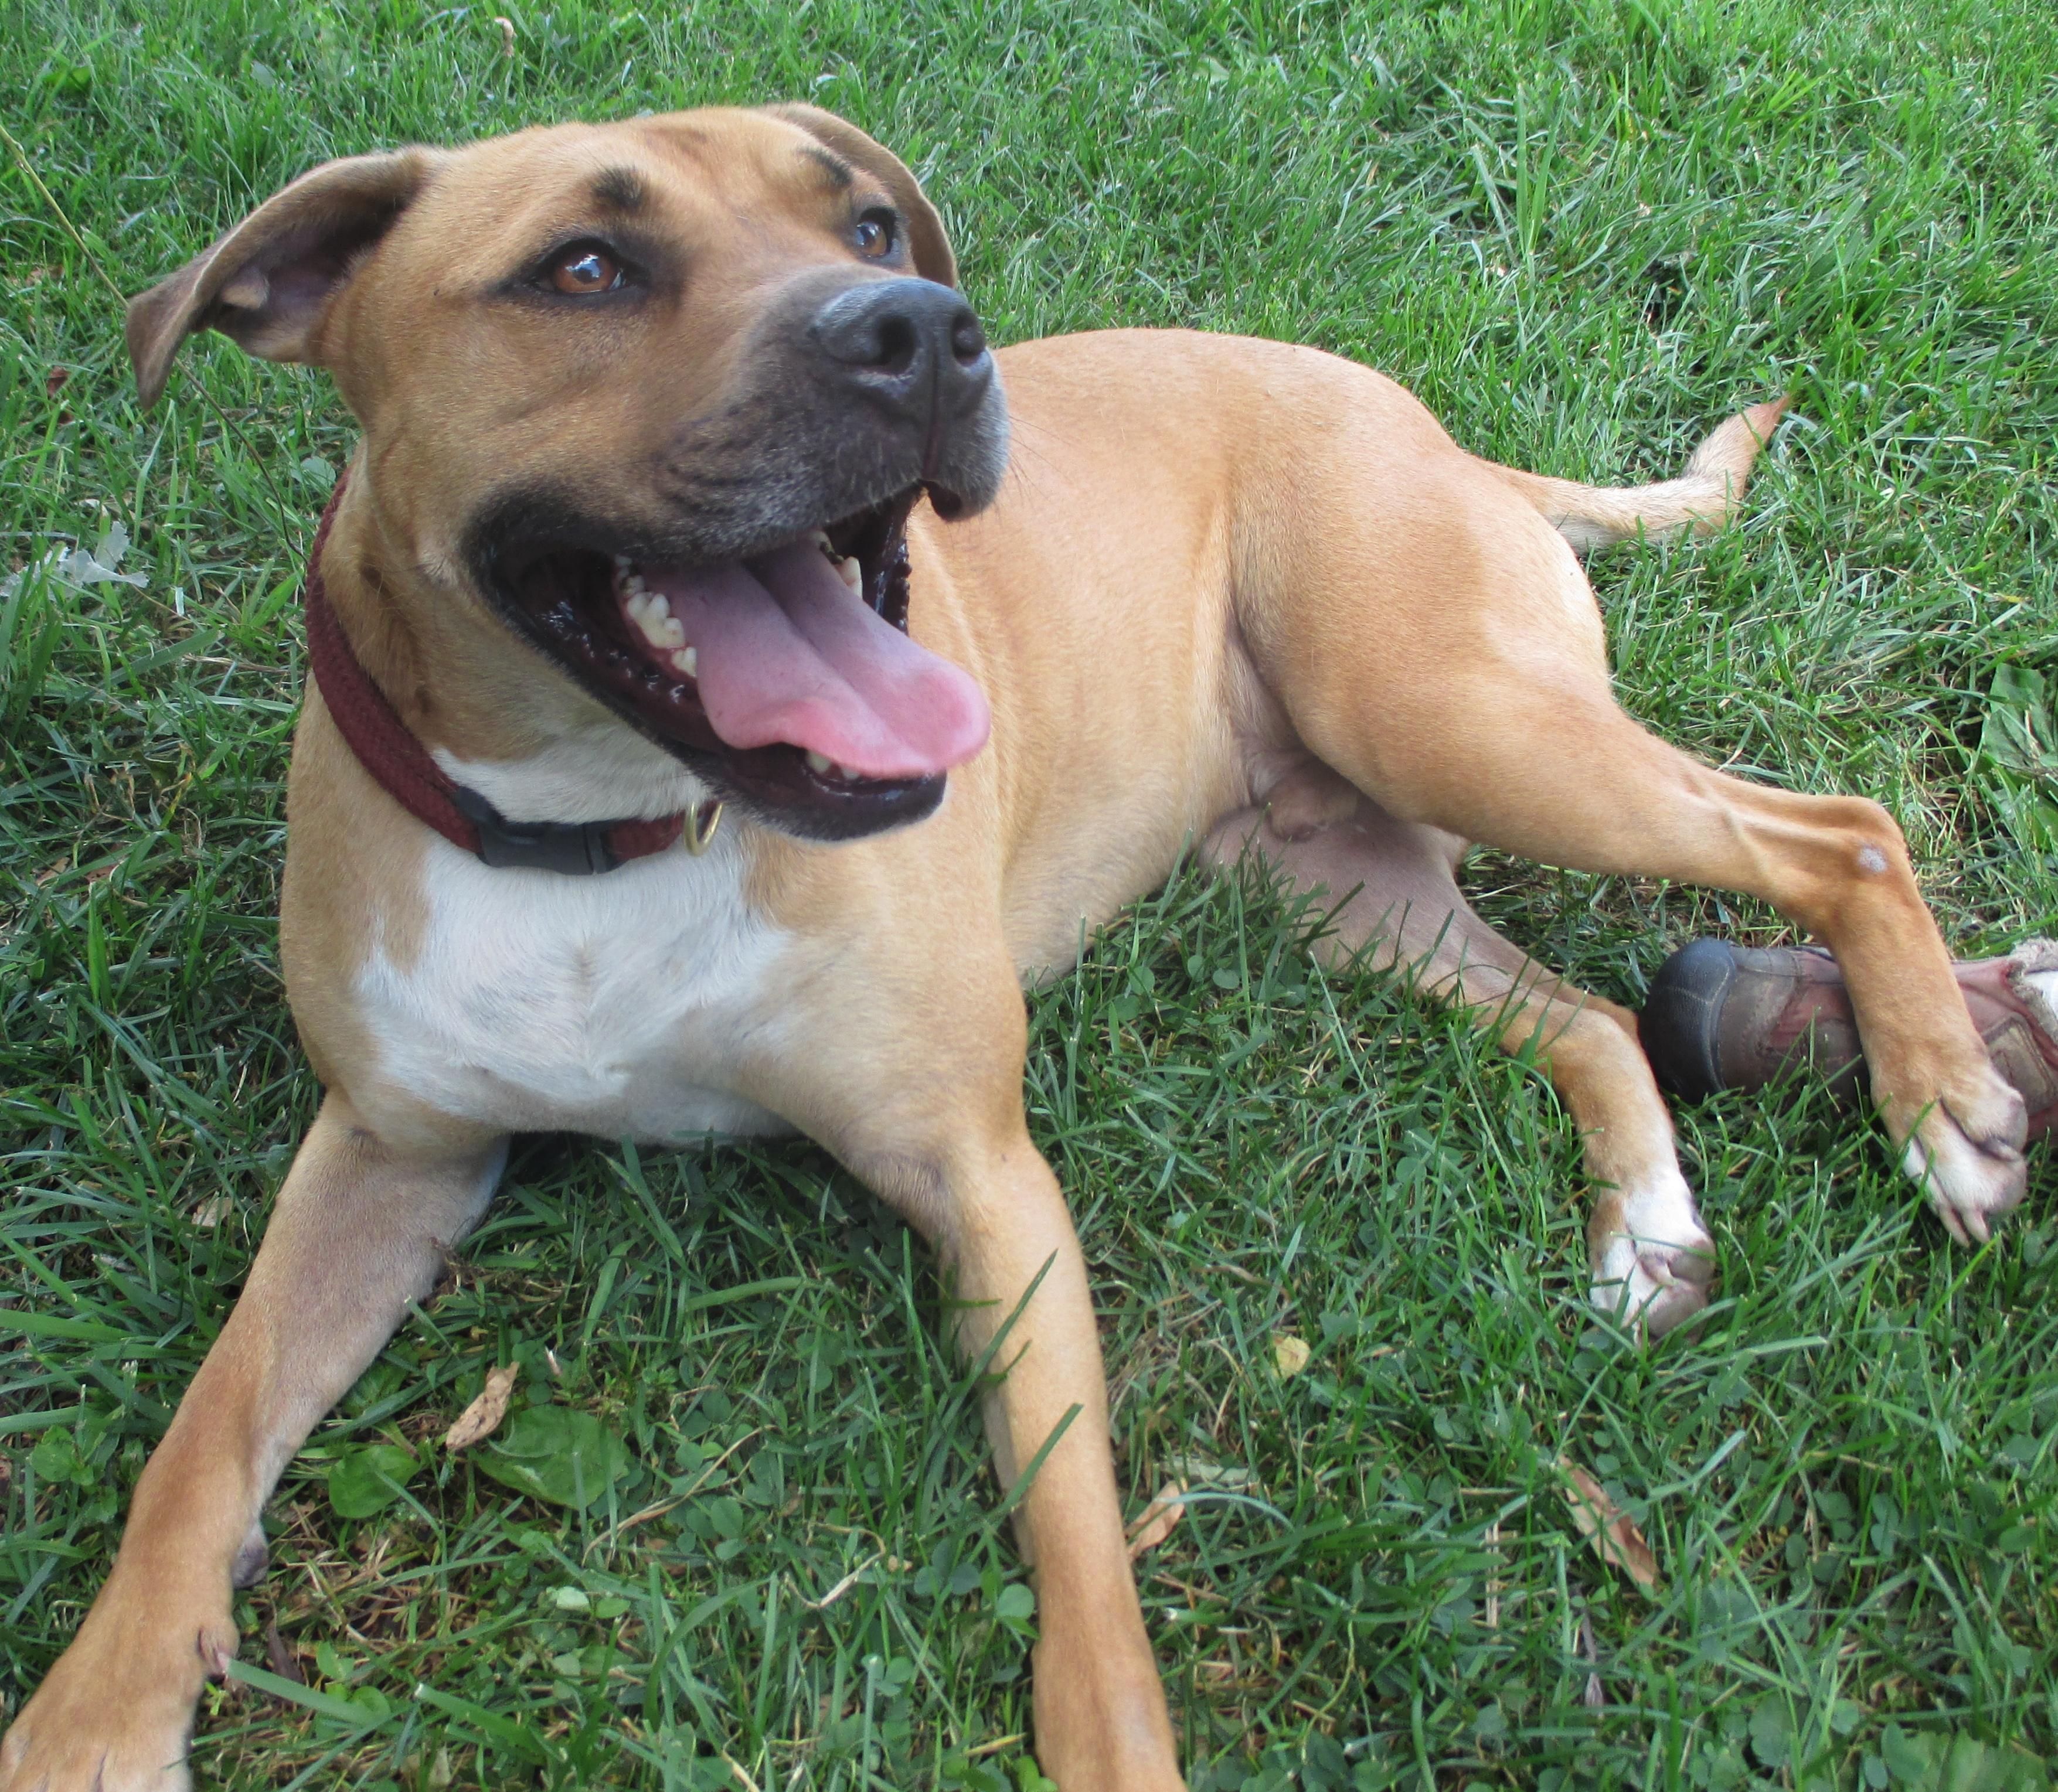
pixel 914 345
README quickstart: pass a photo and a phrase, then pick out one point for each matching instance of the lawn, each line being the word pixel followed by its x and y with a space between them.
pixel 1583 230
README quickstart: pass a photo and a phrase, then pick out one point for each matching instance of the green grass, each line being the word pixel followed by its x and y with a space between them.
pixel 1583 230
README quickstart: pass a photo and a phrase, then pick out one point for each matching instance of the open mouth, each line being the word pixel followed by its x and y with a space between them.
pixel 786 678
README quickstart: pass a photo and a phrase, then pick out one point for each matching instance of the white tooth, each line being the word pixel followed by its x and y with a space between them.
pixel 660 627
pixel 623 563
pixel 852 574
pixel 651 612
pixel 633 582
pixel 821 538
pixel 687 660
pixel 844 772
pixel 819 762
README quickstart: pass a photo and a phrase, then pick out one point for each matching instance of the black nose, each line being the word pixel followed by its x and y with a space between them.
pixel 913 345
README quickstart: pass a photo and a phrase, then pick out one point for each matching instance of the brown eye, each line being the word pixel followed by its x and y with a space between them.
pixel 875 235
pixel 582 270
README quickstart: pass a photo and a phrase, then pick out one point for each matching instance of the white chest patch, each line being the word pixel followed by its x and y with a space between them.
pixel 601 1005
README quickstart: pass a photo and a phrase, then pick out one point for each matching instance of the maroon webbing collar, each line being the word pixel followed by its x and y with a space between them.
pixel 401 766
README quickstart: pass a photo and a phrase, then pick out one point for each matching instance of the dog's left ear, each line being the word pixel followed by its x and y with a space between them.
pixel 268 283
pixel 933 259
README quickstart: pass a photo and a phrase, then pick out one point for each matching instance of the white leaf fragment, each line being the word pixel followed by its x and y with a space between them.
pixel 78 568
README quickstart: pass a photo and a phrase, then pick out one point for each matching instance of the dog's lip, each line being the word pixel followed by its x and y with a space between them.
pixel 519 556
pixel 559 591
pixel 948 504
pixel 782 649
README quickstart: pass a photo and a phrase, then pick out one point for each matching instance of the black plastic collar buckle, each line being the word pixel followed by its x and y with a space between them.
pixel 575 848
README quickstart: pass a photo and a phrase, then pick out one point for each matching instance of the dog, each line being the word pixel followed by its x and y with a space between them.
pixel 712 728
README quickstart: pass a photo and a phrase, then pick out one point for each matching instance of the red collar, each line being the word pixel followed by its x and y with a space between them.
pixel 401 766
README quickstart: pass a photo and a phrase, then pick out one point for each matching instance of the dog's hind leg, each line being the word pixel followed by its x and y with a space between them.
pixel 1392 902
pixel 359 1233
pixel 1485 709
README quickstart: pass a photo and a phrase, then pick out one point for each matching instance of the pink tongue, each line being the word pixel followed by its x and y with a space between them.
pixel 788 652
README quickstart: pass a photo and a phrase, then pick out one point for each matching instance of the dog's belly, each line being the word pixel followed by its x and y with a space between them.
pixel 605 1004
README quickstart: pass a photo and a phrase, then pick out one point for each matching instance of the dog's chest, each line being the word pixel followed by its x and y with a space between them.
pixel 604 1004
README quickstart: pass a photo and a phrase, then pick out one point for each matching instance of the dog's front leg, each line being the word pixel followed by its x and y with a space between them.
pixel 358 1232
pixel 933 1120
pixel 1101 1720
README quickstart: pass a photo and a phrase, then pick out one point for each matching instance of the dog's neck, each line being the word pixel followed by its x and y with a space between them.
pixel 488 710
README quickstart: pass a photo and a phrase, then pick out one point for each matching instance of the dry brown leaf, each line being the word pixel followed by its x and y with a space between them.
pixel 1158 1519
pixel 211 1212
pixel 279 1656
pixel 1289 1353
pixel 1612 1532
pixel 482 1418
pixel 1596 1695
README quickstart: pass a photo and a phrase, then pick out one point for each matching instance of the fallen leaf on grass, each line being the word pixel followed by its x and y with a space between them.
pixel 1200 1471
pixel 482 1418
pixel 1159 1518
pixel 1612 1532
pixel 1289 1353
pixel 81 567
pixel 280 1657
pixel 1594 1697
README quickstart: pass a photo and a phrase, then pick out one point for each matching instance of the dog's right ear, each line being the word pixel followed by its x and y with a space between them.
pixel 269 282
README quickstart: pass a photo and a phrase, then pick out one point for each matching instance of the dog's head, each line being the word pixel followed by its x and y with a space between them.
pixel 659 396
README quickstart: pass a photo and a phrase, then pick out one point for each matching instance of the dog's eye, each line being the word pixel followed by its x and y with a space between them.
pixel 585 269
pixel 875 235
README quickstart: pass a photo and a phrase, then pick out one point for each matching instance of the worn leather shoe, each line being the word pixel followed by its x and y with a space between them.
pixel 1724 1016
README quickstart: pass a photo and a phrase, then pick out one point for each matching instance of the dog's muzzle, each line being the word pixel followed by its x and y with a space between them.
pixel 758 628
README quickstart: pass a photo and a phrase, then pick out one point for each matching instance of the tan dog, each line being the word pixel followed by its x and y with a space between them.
pixel 1239 593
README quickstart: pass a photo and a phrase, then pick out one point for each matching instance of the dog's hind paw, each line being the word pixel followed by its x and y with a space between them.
pixel 1965 1153
pixel 1654 1260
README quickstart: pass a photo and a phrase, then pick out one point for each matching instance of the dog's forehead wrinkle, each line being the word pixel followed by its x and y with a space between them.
pixel 531 193
pixel 620 188
pixel 842 176
pixel 701 153
pixel 775 185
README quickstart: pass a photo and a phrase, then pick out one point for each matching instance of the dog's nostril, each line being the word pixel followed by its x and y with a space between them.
pixel 895 344
pixel 967 340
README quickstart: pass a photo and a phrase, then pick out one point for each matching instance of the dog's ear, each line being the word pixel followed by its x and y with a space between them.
pixel 269 281
pixel 933 259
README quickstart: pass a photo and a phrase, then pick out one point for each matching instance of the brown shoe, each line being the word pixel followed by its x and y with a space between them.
pixel 1723 1017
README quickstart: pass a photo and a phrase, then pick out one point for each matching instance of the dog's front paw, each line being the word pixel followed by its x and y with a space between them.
pixel 1964 1152
pixel 1101 1720
pixel 1654 1260
pixel 113 1718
